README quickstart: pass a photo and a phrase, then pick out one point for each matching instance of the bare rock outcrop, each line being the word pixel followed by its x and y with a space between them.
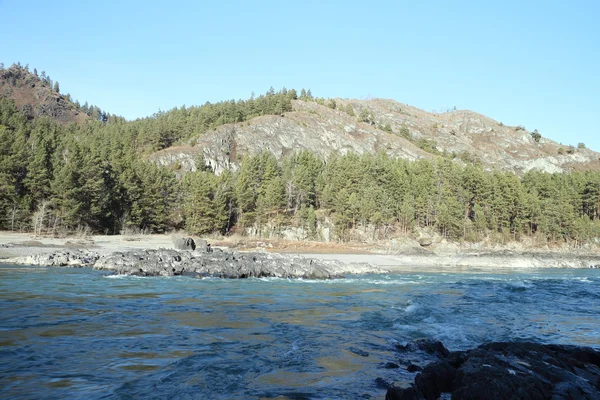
pixel 506 370
pixel 225 264
pixel 63 258
pixel 201 263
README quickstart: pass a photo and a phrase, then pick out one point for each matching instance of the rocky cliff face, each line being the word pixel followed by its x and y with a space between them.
pixel 309 127
pixel 379 126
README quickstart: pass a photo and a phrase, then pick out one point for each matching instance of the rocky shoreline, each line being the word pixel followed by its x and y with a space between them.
pixel 200 263
pixel 397 259
pixel 502 370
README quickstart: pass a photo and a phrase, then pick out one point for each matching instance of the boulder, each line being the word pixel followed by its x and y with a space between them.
pixel 203 246
pixel 507 370
pixel 185 243
pixel 429 346
pixel 425 241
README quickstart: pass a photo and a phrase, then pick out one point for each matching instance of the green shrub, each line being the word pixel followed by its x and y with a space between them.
pixel 404 132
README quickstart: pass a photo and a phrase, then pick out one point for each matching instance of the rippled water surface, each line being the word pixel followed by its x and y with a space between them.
pixel 78 333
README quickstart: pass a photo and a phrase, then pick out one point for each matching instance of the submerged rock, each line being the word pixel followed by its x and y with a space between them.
pixel 429 346
pixel 507 370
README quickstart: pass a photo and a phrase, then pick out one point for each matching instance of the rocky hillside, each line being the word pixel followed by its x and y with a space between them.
pixel 309 127
pixel 36 95
pixel 473 136
pixel 342 126
pixel 325 127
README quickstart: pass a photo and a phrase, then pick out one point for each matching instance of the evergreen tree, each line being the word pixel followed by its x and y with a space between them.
pixel 39 170
pixel 201 211
pixel 67 193
pixel 224 201
pixel 247 189
pixel 349 110
pixel 271 199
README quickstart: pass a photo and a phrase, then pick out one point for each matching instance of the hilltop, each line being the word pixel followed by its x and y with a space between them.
pixel 37 95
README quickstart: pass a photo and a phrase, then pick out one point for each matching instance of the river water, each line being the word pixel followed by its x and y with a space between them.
pixel 79 333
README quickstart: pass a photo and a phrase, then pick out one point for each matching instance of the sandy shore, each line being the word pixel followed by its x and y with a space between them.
pixel 22 244
pixel 410 259
pixel 502 261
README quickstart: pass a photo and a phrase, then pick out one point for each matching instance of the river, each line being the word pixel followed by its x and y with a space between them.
pixel 80 333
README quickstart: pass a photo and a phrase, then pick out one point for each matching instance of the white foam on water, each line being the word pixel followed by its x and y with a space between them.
pixel 383 282
pixel 522 284
pixel 404 327
pixel 116 276
pixel 125 276
pixel 343 281
pixel 412 308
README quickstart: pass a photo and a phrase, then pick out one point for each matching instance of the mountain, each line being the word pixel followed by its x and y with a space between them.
pixel 378 125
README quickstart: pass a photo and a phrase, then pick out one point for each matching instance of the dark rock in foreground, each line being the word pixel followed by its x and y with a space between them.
pixel 201 263
pixel 507 370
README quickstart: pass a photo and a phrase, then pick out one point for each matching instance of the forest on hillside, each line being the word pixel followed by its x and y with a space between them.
pixel 60 178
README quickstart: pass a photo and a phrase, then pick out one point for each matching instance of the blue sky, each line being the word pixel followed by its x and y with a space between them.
pixel 531 63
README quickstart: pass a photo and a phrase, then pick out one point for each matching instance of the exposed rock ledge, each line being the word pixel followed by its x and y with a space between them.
pixel 59 258
pixel 507 370
pixel 200 264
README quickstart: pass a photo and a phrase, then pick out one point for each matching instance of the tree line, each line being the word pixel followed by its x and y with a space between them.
pixel 390 196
